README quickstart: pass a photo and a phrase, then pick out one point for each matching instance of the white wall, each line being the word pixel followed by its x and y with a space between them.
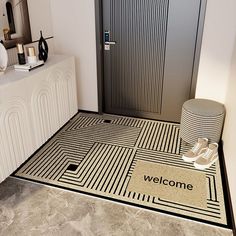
pixel 229 135
pixel 40 18
pixel 74 33
pixel 217 46
pixel 217 74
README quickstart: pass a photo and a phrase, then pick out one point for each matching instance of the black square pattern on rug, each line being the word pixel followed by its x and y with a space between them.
pixel 72 167
pixel 107 121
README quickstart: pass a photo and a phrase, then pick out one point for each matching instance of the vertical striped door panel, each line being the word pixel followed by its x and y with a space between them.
pixel 137 60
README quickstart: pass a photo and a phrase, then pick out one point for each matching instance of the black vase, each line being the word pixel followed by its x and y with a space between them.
pixel 43 48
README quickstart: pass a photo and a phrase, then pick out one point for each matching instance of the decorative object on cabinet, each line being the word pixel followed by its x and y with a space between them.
pixel 43 48
pixel 20 54
pixel 28 66
pixel 3 58
pixel 31 56
pixel 6 34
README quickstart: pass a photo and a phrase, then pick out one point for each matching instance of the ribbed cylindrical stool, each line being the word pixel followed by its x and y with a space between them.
pixel 201 118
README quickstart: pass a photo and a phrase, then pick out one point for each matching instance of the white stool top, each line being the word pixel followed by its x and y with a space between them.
pixel 204 107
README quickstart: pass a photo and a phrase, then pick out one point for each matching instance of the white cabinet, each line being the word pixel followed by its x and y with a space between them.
pixel 33 106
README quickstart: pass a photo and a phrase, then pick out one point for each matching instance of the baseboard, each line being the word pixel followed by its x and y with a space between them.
pixel 86 111
pixel 225 183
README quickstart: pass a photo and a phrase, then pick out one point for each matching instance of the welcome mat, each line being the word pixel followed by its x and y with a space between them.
pixel 170 183
pixel 101 155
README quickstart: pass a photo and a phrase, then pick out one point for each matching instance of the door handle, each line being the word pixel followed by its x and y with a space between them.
pixel 110 43
pixel 107 38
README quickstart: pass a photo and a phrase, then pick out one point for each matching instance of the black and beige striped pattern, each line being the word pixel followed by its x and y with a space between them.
pixel 160 136
pixel 97 155
pixel 194 126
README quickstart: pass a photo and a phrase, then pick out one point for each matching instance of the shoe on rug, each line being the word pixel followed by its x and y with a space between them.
pixel 194 153
pixel 209 157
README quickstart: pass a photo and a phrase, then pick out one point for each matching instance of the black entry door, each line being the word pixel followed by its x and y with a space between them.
pixel 149 48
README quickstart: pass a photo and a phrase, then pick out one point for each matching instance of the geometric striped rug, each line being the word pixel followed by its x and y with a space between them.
pixel 97 154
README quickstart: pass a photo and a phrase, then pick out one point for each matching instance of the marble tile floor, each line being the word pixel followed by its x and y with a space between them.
pixel 32 209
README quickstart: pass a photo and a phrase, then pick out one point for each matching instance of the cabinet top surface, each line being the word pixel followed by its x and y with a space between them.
pixel 11 76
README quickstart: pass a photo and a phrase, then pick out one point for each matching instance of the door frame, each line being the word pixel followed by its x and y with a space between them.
pixel 100 51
